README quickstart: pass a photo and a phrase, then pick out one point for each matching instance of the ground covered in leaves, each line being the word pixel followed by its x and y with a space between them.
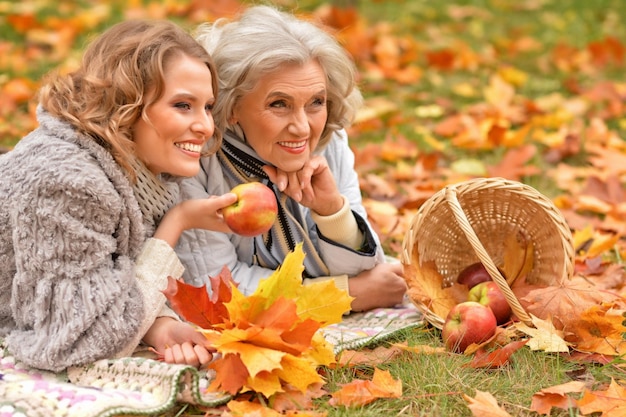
pixel 455 90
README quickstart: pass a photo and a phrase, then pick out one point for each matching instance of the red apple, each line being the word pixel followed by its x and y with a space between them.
pixel 466 323
pixel 473 274
pixel 255 210
pixel 489 294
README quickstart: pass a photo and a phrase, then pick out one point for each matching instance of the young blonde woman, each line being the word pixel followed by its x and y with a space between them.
pixel 91 207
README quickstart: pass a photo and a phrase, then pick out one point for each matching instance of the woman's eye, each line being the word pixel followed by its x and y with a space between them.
pixel 208 108
pixel 185 106
pixel 278 103
pixel 319 101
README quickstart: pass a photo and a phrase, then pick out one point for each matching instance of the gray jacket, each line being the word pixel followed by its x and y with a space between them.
pixel 204 253
pixel 76 279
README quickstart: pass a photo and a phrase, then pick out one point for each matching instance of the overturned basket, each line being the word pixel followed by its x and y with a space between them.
pixel 490 220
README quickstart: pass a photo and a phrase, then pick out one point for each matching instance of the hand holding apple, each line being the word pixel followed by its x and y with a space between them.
pixel 255 210
pixel 466 323
pixel 489 294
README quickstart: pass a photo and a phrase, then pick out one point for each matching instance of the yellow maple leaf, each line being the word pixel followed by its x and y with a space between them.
pixel 249 408
pixel 298 372
pixel 255 358
pixel 336 302
pixel 387 386
pixel 286 280
pixel 544 336
pixel 321 351
pixel 426 286
pixel 485 405
pixel 266 383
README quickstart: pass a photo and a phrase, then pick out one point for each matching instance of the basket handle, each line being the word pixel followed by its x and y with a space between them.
pixel 461 218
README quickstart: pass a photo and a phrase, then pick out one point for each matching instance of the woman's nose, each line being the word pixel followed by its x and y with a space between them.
pixel 299 124
pixel 205 125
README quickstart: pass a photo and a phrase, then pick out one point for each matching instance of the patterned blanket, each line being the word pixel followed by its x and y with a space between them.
pixel 142 386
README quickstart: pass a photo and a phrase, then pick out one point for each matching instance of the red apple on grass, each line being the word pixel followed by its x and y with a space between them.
pixel 466 323
pixel 489 294
pixel 255 210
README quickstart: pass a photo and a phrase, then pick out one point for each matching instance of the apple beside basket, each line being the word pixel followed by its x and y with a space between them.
pixel 473 221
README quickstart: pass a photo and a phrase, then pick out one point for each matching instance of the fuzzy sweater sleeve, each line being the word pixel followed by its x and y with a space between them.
pixel 76 293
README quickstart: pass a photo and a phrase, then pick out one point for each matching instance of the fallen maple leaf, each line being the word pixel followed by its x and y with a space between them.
pixel 485 405
pixel 497 357
pixel 513 164
pixel 610 402
pixel 556 396
pixel 562 302
pixel 600 330
pixel 361 392
pixel 421 349
pixel 374 357
pixel 544 336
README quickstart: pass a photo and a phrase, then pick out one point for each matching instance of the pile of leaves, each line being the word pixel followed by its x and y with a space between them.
pixel 268 343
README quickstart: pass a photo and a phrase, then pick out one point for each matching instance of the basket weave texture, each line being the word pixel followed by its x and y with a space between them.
pixel 474 221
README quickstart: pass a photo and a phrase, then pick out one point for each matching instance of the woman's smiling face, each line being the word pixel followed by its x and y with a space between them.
pixel 180 122
pixel 284 116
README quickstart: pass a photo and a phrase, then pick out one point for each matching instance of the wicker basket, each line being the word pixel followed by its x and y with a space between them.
pixel 473 221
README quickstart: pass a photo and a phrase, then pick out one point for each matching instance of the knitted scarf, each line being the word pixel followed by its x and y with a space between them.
pixel 241 164
pixel 153 196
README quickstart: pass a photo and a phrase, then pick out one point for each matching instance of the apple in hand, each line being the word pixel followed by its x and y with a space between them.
pixel 255 210
pixel 489 294
pixel 473 274
pixel 466 323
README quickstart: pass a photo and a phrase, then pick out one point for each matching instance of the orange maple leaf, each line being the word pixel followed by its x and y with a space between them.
pixel 497 357
pixel 556 396
pixel 193 303
pixel 611 401
pixel 485 405
pixel 230 374
pixel 600 330
pixel 361 392
pixel 561 303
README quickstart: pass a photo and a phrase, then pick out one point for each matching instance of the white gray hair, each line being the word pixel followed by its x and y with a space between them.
pixel 262 40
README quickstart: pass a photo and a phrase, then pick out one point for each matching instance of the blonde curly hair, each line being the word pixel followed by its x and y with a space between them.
pixel 108 93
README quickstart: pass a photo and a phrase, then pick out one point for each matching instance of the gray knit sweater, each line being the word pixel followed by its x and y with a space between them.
pixel 79 281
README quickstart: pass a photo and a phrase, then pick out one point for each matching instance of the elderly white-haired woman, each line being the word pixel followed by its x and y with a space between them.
pixel 287 92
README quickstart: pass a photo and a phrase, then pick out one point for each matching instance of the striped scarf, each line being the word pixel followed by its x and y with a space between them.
pixel 241 165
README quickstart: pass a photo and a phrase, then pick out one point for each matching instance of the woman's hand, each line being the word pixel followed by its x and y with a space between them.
pixel 205 213
pixel 313 185
pixel 381 286
pixel 179 342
